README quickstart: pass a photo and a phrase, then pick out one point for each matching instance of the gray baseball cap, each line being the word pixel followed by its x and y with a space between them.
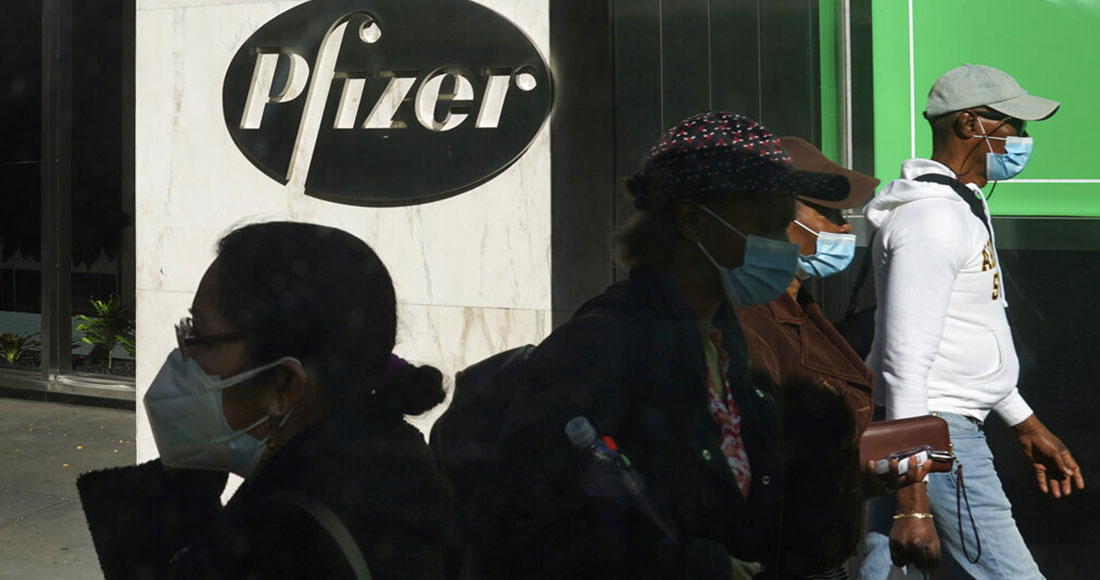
pixel 975 85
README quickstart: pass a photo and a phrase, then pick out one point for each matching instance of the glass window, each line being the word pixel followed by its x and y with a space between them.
pixel 74 208
pixel 20 170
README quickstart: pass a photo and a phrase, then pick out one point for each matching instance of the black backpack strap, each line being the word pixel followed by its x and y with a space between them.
pixel 861 277
pixel 964 192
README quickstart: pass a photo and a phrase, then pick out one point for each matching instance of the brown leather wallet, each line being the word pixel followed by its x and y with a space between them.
pixel 883 438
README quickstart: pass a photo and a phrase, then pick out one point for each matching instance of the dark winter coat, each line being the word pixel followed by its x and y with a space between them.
pixel 632 362
pixel 380 480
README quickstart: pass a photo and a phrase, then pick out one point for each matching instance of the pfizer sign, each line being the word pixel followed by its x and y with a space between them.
pixel 386 102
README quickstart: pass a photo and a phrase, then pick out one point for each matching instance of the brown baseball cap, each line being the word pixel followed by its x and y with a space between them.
pixel 806 157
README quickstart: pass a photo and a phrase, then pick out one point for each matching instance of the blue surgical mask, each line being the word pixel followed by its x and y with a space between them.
pixel 834 253
pixel 768 268
pixel 1002 166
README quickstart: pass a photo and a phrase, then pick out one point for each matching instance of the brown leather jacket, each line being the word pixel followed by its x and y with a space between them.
pixel 823 391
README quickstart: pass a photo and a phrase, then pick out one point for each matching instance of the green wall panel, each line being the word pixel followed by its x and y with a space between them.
pixel 1050 47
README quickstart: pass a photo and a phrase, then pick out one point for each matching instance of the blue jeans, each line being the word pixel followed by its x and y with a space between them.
pixel 1004 553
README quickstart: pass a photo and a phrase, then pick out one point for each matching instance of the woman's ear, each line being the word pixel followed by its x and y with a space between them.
pixel 288 388
pixel 687 216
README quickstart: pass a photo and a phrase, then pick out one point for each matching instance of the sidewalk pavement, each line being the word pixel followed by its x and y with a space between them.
pixel 43 448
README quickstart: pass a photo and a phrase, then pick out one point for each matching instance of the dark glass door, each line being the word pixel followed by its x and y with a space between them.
pixel 21 186
pixel 66 168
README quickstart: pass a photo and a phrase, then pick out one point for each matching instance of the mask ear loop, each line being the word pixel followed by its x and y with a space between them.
pixel 986 138
pixel 805 227
pixel 238 379
pixel 252 373
pixel 723 222
pixel 242 432
pixel 270 439
pixel 976 145
pixel 707 254
pixel 800 255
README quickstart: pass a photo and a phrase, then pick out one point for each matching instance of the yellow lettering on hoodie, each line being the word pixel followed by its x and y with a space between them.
pixel 989 260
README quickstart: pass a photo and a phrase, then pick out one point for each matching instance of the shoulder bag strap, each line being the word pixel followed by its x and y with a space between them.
pixel 964 192
pixel 332 524
pixel 861 277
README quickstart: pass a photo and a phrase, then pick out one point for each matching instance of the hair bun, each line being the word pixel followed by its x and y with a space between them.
pixel 411 390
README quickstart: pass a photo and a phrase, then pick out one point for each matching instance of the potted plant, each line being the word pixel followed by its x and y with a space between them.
pixel 14 346
pixel 110 326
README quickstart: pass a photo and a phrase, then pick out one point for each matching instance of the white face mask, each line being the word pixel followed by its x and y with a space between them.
pixel 184 405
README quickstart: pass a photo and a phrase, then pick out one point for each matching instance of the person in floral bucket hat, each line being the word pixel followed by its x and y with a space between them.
pixel 657 365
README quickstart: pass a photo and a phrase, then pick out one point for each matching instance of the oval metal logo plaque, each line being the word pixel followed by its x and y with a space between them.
pixel 386 102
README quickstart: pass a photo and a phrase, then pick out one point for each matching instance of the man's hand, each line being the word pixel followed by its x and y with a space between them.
pixel 912 540
pixel 1055 468
pixel 745 570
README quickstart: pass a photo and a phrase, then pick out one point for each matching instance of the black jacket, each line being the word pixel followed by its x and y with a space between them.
pixel 631 361
pixel 379 479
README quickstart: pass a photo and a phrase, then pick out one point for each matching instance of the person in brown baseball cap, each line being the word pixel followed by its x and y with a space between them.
pixel 821 386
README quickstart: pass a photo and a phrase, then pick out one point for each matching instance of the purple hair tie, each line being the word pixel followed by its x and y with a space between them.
pixel 395 363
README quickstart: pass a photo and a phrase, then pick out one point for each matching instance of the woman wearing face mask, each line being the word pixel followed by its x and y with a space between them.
pixel 821 386
pixel 657 363
pixel 284 375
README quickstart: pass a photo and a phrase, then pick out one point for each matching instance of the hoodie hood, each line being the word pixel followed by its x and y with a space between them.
pixel 904 190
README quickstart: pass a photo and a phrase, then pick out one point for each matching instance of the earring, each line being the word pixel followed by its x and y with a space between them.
pixel 276 429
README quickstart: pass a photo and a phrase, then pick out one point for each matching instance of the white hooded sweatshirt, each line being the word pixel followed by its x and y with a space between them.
pixel 942 341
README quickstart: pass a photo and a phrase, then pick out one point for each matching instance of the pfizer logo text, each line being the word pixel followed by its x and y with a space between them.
pixel 386 102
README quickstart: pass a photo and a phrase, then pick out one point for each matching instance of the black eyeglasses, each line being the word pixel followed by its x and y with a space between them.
pixel 1019 125
pixel 185 335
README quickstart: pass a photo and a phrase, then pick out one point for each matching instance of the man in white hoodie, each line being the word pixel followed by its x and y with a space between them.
pixel 942 342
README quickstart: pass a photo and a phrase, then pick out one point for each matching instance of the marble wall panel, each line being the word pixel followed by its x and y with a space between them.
pixel 450 338
pixel 487 247
pixel 472 272
pixel 157 313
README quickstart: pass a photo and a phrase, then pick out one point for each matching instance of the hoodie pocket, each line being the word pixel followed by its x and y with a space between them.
pixel 986 357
